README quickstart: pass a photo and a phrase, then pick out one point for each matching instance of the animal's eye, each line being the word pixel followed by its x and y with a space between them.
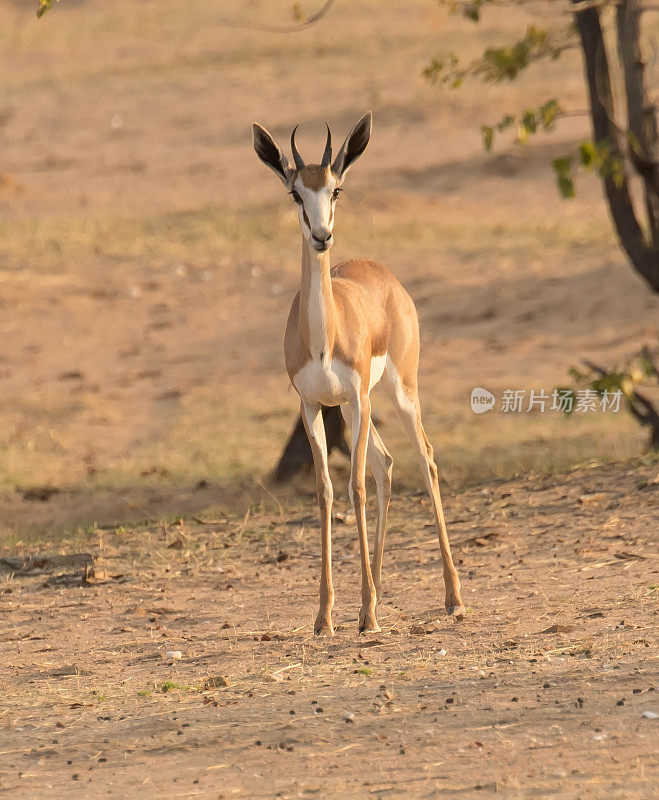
pixel 335 193
pixel 295 196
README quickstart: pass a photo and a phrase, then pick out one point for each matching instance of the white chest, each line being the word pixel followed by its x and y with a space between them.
pixel 328 382
pixel 332 383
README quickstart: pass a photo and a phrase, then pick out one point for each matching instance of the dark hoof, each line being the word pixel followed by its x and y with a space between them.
pixel 456 611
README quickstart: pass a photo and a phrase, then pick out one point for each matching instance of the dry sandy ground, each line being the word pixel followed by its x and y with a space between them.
pixel 539 692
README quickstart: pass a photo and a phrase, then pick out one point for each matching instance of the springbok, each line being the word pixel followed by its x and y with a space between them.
pixel 348 328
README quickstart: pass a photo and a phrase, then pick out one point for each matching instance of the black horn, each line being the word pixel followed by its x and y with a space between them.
pixel 299 161
pixel 327 155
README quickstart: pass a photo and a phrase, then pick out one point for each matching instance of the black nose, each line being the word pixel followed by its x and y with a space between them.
pixel 322 239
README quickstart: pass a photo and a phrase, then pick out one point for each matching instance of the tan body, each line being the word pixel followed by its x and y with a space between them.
pixel 348 328
pixel 367 317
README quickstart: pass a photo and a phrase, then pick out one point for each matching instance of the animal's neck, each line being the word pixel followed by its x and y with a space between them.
pixel 316 302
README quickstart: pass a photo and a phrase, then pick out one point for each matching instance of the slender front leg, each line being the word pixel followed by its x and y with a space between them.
pixel 313 423
pixel 361 426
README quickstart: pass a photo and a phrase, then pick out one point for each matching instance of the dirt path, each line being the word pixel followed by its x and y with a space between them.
pixel 540 692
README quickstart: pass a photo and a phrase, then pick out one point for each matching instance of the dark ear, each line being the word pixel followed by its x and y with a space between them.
pixel 354 146
pixel 270 154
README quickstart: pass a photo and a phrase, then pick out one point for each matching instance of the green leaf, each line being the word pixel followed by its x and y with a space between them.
pixel 562 165
pixel 506 122
pixel 471 11
pixel 503 63
pixel 487 134
pixel 566 186
pixel 646 366
pixel 588 153
pixel 442 69
pixel 549 112
pixel 563 169
pixel 44 5
pixel 609 383
pixel 529 121
pixel 434 70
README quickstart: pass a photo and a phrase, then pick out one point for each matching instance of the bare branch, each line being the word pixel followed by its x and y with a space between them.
pixel 45 5
pixel 504 63
pixel 258 26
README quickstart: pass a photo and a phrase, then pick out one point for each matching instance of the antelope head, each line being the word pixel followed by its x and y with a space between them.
pixel 314 187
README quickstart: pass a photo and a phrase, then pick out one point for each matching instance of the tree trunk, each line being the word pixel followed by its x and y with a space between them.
pixel 297 453
pixel 645 412
pixel 641 114
pixel 643 254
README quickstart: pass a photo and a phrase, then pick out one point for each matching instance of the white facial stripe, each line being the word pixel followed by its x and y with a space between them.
pixel 318 205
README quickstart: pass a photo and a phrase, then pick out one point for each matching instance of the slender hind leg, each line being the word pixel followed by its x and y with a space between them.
pixel 380 463
pixel 313 423
pixel 360 416
pixel 406 400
